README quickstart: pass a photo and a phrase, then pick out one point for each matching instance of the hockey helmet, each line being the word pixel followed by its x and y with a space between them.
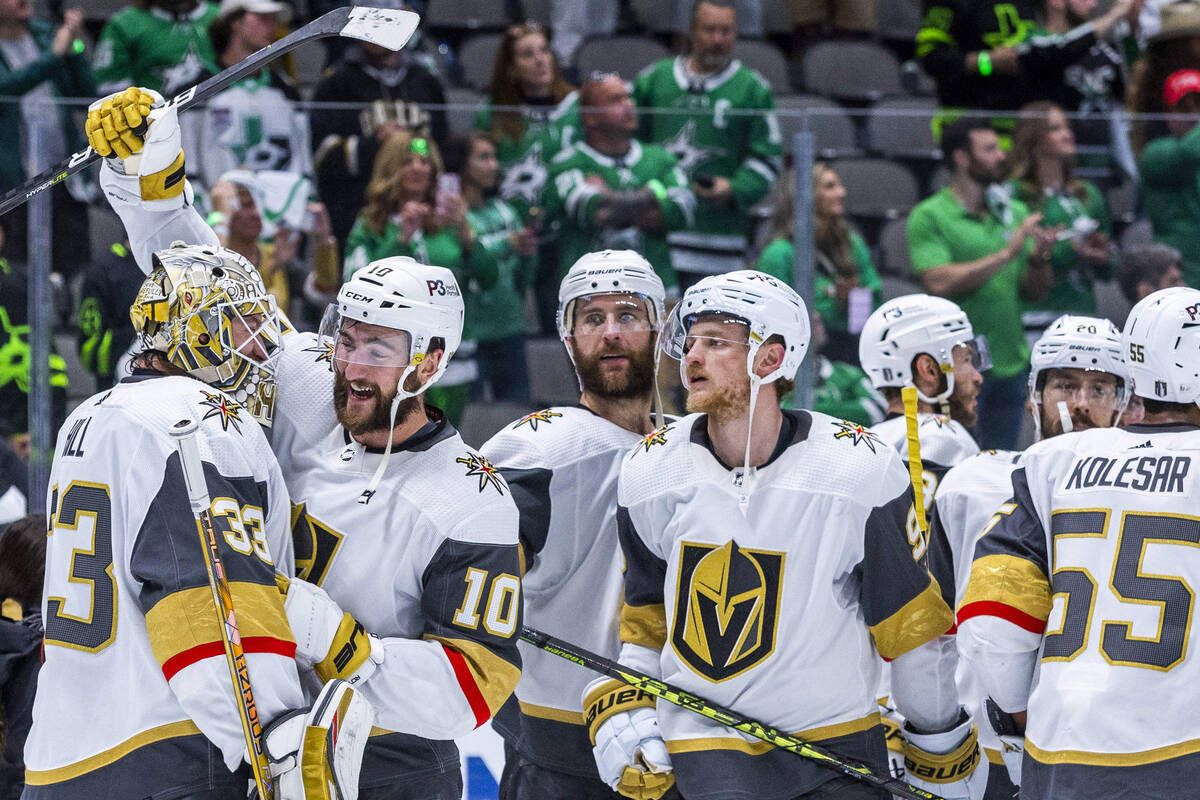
pixel 609 272
pixel 1161 341
pixel 1077 342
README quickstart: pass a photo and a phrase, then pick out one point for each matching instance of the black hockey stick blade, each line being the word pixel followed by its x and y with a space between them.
pixel 386 27
pixel 725 716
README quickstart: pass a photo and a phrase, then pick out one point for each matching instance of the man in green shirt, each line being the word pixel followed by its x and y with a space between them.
pixel 161 45
pixel 1170 170
pixel 974 244
pixel 611 192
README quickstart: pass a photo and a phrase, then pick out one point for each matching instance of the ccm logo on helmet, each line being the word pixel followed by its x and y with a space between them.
pixel 440 288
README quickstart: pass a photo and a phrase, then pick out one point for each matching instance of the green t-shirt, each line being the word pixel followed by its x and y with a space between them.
pixel 1072 291
pixel 1170 170
pixel 498 312
pixel 155 49
pixel 940 231
pixel 777 260
pixel 572 200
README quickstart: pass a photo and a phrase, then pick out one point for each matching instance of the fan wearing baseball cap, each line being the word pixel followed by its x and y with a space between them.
pixel 1170 166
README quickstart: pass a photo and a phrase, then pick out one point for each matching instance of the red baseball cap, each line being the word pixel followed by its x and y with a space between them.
pixel 1180 84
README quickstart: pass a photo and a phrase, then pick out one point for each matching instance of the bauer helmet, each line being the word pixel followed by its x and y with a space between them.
pixel 1076 342
pixel 904 328
pixel 1161 341
pixel 195 305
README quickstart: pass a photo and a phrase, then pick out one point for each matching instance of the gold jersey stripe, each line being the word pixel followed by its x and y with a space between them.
pixel 757 748
pixel 994 756
pixel 644 625
pixel 920 620
pixel 554 714
pixel 495 677
pixel 171 730
pixel 377 731
pixel 1112 759
pixel 11 609
pixel 1011 581
pixel 186 619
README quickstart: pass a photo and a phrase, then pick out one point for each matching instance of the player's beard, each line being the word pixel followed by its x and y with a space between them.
pixel 379 418
pixel 721 403
pixel 636 380
pixel 964 410
pixel 1080 420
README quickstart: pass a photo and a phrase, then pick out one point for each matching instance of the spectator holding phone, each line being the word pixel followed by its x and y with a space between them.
pixel 501 239
pixel 411 212
pixel 1042 176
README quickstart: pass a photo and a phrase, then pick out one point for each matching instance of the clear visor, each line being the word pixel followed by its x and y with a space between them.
pixel 363 343
pixel 254 331
pixel 1094 388
pixel 980 354
pixel 712 329
pixel 609 314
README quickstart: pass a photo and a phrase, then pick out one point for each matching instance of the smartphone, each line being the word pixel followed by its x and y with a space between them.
pixel 705 181
pixel 448 185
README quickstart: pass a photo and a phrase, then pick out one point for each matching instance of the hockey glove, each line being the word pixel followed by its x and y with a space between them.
pixel 630 753
pixel 328 639
pixel 894 739
pixel 316 753
pixel 141 140
pixel 1012 740
pixel 949 763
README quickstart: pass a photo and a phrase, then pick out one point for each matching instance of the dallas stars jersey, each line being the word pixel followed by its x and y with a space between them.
pixel 253 124
pixel 1079 608
pixel 548 131
pixel 134 698
pixel 153 48
pixel 570 198
pixel 562 464
pixel 722 125
pixel 430 564
pixel 781 613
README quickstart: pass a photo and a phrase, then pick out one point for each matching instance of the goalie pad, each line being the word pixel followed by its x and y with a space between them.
pixel 316 753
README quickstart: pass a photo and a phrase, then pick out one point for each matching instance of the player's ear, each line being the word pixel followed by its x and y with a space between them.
pixel 926 374
pixel 769 357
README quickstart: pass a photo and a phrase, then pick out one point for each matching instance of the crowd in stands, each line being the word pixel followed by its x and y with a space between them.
pixel 972 154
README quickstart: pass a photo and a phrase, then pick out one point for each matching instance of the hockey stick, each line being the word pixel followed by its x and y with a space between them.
pixel 184 433
pixel 725 716
pixel 388 28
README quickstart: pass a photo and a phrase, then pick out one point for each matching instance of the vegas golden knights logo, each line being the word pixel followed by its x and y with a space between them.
pixel 726 607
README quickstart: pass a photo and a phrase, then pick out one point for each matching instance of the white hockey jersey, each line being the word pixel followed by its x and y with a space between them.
pixel 431 564
pixel 135 685
pixel 1079 607
pixel 944 443
pixel 782 613
pixel 562 464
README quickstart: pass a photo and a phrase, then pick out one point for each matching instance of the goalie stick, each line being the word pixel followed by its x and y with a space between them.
pixel 725 716
pixel 390 28
pixel 184 433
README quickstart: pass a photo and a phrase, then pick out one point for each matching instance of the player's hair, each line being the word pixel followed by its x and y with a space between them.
pixel 1153 406
pixel 385 195
pixel 23 559
pixel 457 155
pixel 504 88
pixel 1145 263
pixel 957 136
pixel 1032 127
pixel 718 3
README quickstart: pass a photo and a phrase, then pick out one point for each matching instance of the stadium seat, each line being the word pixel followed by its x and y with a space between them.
pixel 537 10
pixel 898 20
pixel 462 107
pixel 653 14
pixel 477 56
pixel 309 61
pixel 877 189
pixel 899 127
pixel 1137 233
pixel 829 122
pixel 851 71
pixel 552 379
pixel 767 59
pixel 102 10
pixel 893 249
pixel 1122 202
pixel 466 14
pixel 482 420
pixel 624 55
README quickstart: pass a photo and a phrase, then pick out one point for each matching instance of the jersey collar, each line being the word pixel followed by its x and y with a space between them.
pixel 630 159
pixel 1162 427
pixel 795 428
pixel 194 15
pixel 702 83
pixel 437 429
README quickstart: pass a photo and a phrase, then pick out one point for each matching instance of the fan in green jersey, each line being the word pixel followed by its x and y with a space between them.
pixel 162 45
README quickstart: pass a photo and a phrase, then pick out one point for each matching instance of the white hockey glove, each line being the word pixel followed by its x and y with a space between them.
pixel 142 144
pixel 630 753
pixel 894 739
pixel 328 639
pixel 1012 740
pixel 949 763
pixel 316 753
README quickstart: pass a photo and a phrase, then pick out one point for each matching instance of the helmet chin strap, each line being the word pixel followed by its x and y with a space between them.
pixel 942 400
pixel 401 395
pixel 749 474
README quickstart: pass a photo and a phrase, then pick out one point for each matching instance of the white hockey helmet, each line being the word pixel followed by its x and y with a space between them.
pixel 1161 341
pixel 1077 342
pixel 403 294
pixel 905 327
pixel 188 308
pixel 767 306
pixel 609 272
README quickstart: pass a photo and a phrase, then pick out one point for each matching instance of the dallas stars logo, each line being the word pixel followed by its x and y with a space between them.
pixel 223 408
pixel 683 146
pixel 488 474
pixel 324 350
pixel 525 178
pixel 532 420
pixel 856 433
pixel 658 437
